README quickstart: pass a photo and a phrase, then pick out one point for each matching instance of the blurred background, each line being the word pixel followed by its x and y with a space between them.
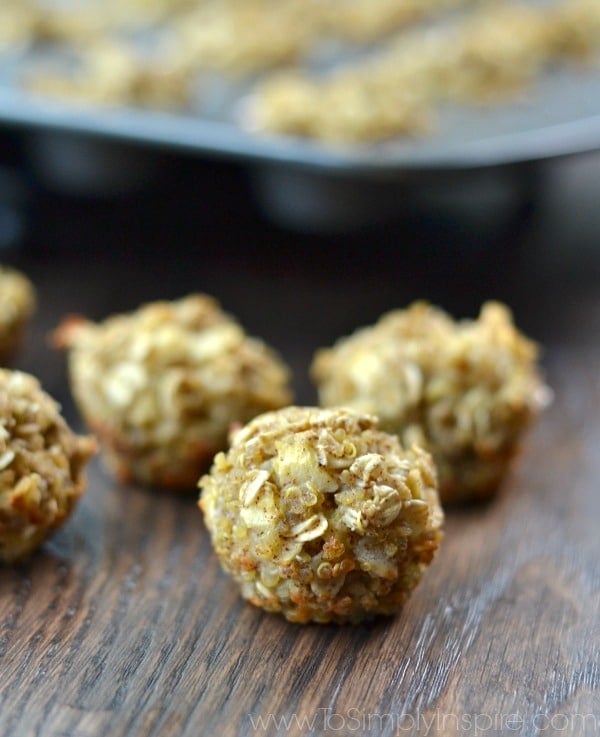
pixel 194 224
pixel 108 202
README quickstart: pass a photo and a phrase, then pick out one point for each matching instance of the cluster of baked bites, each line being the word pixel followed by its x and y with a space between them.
pixel 465 391
pixel 321 514
pixel 160 387
pixel 332 514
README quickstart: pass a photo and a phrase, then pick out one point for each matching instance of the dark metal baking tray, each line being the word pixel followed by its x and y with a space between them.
pixel 560 115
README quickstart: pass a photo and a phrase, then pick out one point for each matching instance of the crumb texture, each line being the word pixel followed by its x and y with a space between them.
pixel 41 465
pixel 464 390
pixel 162 385
pixel 321 516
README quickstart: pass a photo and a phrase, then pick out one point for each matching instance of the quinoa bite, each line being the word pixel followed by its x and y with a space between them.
pixel 321 516
pixel 17 305
pixel 41 465
pixel 162 385
pixel 466 391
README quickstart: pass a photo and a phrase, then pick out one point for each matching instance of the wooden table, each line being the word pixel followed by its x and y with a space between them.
pixel 124 625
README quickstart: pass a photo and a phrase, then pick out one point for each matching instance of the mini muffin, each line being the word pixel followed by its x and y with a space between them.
pixel 41 465
pixel 17 304
pixel 161 386
pixel 320 516
pixel 465 390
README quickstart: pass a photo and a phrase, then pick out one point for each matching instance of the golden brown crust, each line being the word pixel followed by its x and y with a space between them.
pixel 466 390
pixel 41 465
pixel 155 466
pixel 321 516
pixel 161 386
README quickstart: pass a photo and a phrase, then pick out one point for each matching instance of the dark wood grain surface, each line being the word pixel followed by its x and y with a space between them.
pixel 124 625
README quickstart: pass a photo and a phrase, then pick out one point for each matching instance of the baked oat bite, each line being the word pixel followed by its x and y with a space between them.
pixel 41 465
pixel 17 305
pixel 161 386
pixel 321 516
pixel 464 390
